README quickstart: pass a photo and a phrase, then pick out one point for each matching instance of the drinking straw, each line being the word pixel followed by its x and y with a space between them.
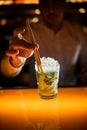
pixel 36 52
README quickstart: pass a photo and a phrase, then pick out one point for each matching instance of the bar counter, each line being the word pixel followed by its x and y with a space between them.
pixel 23 109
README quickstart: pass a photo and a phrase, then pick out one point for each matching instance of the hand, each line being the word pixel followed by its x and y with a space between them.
pixel 19 48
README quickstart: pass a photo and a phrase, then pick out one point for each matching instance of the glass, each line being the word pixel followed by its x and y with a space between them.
pixel 48 80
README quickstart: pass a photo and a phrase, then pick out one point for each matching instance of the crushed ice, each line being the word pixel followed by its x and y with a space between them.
pixel 48 61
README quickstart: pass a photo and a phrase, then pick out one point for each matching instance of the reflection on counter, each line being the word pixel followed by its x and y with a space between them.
pixel 22 109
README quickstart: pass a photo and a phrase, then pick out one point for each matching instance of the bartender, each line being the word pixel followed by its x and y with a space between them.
pixel 57 37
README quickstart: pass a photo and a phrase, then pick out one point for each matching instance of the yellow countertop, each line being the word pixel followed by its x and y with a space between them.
pixel 23 109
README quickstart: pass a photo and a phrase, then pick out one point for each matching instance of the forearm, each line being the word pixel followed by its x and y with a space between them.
pixel 7 69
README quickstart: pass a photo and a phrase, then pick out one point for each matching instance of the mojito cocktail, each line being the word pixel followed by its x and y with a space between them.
pixel 48 80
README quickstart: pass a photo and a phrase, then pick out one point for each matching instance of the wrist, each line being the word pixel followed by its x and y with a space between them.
pixel 7 69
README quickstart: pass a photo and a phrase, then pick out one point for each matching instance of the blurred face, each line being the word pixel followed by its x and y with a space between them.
pixel 52 11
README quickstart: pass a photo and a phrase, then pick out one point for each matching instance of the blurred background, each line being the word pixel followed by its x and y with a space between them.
pixel 14 12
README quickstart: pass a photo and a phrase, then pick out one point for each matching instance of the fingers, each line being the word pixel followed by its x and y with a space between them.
pixel 18 31
pixel 36 46
pixel 20 47
pixel 16 43
pixel 12 53
pixel 19 52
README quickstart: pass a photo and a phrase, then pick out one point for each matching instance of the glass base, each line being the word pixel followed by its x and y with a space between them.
pixel 47 97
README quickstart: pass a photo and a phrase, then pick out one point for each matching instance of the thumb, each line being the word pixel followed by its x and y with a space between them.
pixel 12 53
